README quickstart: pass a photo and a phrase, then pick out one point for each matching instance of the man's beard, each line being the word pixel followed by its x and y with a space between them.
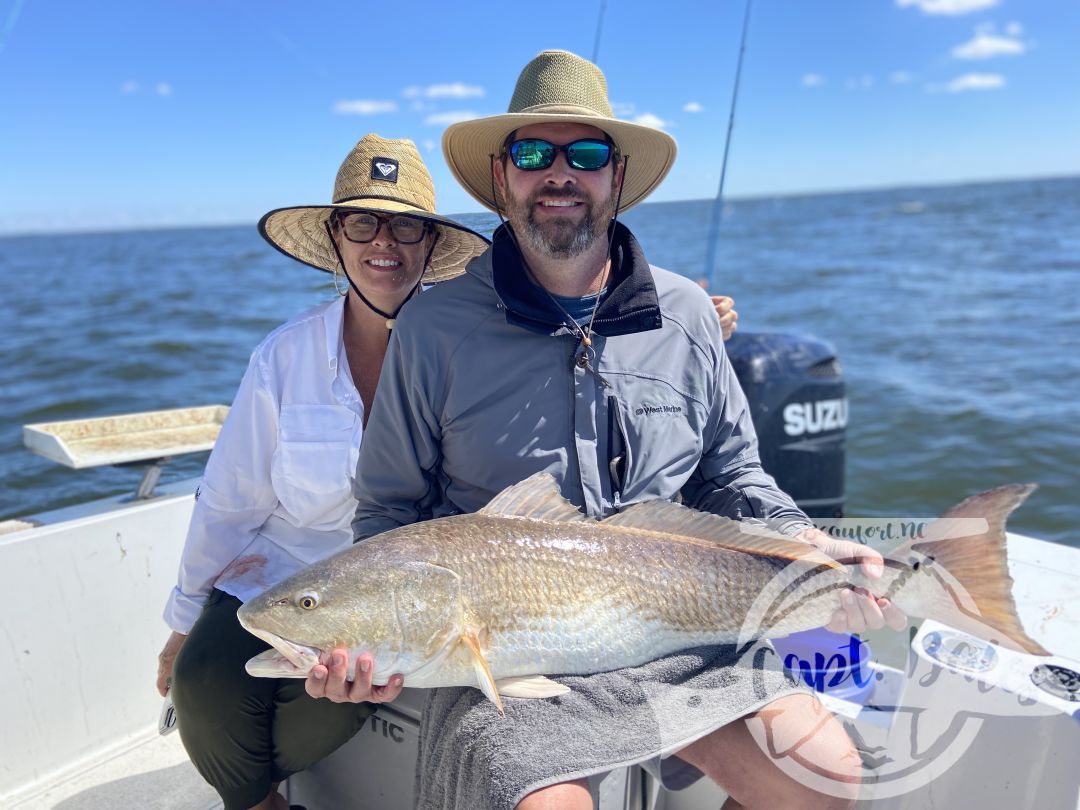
pixel 560 237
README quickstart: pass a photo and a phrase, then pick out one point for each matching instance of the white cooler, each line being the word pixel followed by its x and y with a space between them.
pixel 375 769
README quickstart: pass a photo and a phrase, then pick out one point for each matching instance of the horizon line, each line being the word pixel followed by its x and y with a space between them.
pixel 752 197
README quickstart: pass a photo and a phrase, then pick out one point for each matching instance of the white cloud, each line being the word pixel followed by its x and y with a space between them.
pixel 1014 29
pixel 451 90
pixel 163 89
pixel 650 120
pixel 623 109
pixel 900 77
pixel 364 107
pixel 975 81
pixel 812 80
pixel 861 83
pixel 130 86
pixel 429 145
pixel 987 46
pixel 949 7
pixel 692 107
pixel 447 118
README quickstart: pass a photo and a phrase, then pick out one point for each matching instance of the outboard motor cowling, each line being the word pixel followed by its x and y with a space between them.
pixel 795 388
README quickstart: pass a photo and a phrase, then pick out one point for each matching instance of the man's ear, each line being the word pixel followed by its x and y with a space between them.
pixel 498 182
pixel 617 178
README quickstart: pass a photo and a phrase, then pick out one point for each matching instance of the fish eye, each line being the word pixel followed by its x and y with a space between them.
pixel 915 565
pixel 308 601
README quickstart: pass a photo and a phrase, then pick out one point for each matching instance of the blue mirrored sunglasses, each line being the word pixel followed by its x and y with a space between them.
pixel 533 154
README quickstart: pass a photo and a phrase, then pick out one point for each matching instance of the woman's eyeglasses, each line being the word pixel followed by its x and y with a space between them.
pixel 533 154
pixel 363 227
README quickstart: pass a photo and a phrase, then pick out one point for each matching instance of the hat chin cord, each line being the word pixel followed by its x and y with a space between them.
pixel 391 319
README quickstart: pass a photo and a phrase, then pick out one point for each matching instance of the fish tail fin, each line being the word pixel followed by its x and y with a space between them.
pixel 976 567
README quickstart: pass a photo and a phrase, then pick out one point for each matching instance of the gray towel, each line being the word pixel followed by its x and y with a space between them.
pixel 472 757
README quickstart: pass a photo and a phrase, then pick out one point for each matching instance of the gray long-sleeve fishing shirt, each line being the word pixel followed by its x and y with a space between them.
pixel 482 387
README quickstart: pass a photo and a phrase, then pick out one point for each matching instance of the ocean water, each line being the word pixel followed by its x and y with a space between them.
pixel 955 312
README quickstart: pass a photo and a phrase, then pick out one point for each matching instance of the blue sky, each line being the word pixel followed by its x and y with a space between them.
pixel 173 112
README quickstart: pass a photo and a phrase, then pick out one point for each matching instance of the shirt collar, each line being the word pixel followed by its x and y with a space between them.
pixel 630 306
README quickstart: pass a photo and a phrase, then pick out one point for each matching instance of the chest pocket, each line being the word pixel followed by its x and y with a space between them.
pixel 314 463
pixel 660 430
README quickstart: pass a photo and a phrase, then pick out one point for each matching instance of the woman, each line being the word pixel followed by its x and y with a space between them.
pixel 276 493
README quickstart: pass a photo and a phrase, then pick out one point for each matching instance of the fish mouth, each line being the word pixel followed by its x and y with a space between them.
pixel 273 664
pixel 285 659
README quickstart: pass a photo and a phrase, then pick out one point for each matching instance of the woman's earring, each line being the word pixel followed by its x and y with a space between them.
pixel 338 282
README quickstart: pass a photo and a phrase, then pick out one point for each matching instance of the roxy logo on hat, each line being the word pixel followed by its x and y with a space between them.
pixel 384 168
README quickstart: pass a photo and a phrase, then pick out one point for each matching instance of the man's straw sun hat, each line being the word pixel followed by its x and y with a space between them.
pixel 558 86
pixel 384 176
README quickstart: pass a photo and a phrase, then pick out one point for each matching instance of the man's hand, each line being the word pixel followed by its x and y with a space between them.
pixel 165 661
pixel 859 609
pixel 725 311
pixel 331 683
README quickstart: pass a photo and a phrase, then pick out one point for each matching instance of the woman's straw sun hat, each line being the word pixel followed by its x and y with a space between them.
pixel 384 176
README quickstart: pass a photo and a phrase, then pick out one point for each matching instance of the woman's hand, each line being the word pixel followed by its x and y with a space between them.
pixel 725 311
pixel 331 683
pixel 165 661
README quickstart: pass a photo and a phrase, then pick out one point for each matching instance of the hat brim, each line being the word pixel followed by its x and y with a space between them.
pixel 300 233
pixel 468 147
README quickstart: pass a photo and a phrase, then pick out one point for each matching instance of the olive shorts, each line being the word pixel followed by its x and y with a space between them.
pixel 244 733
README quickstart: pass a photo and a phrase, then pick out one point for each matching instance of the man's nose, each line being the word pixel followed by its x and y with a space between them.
pixel 560 171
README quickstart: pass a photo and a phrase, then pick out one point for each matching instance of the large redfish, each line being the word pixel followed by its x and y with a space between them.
pixel 529 586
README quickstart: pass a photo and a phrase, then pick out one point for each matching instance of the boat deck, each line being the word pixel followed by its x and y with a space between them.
pixel 153 773
pixel 84 588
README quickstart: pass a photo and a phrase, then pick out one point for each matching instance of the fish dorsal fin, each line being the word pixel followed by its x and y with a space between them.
pixel 536 497
pixel 673 519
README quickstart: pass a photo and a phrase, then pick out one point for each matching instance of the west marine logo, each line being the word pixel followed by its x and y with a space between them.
pixel 815 417
pixel 648 410
pixel 383 168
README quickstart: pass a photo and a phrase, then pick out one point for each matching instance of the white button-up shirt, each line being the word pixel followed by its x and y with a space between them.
pixel 277 491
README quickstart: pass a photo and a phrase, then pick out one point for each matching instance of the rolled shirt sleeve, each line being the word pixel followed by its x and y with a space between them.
pixel 234 498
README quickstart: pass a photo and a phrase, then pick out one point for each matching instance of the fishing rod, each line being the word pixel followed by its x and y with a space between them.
pixel 718 203
pixel 599 27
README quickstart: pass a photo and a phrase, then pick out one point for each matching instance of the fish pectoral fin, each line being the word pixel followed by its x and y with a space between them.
pixel 689 525
pixel 536 497
pixel 483 672
pixel 531 686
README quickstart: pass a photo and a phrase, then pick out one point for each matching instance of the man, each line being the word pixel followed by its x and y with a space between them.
pixel 562 350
